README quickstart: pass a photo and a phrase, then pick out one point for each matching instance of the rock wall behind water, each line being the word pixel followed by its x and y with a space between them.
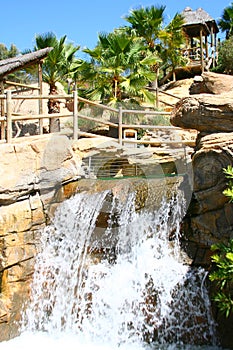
pixel 31 174
pixel 36 175
pixel 210 216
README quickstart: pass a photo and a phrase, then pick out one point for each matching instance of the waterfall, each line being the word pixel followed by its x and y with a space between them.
pixel 123 285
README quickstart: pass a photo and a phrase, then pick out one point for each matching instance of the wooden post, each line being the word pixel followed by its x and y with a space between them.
pixel 120 126
pixel 8 115
pixel 40 91
pixel 206 47
pixel 157 88
pixel 157 97
pixel 202 58
pixel 3 136
pixel 75 115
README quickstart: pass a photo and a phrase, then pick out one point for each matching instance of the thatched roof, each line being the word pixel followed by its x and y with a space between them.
pixel 13 64
pixel 194 20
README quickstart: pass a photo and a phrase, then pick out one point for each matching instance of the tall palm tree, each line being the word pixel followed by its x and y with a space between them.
pixel 172 38
pixel 226 21
pixel 57 67
pixel 147 23
pixel 119 69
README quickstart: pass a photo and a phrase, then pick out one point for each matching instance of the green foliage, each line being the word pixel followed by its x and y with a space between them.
pixel 229 190
pixel 146 23
pixel 223 276
pixel 120 68
pixel 226 21
pixel 222 260
pixel 20 76
pixel 225 53
pixel 8 53
pixel 165 41
pixel 60 62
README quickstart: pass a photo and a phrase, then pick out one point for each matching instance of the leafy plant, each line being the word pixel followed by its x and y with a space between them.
pixel 228 192
pixel 223 262
pixel 225 63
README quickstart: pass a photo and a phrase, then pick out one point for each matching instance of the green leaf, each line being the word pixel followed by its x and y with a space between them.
pixel 229 256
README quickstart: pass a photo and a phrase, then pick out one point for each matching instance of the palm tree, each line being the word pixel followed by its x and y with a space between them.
pixel 147 23
pixel 226 21
pixel 119 69
pixel 57 67
pixel 172 38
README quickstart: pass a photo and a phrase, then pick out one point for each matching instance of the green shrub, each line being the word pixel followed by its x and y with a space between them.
pixel 222 260
pixel 223 276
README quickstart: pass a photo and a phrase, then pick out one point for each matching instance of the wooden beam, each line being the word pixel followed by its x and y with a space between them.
pixel 40 92
pixel 7 82
pixel 2 111
pixel 202 58
pixel 75 115
pixel 9 116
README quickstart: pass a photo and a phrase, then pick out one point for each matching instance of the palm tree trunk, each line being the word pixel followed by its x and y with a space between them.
pixel 53 107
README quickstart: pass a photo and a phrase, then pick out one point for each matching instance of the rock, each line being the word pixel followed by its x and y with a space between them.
pixel 206 113
pixel 40 164
pixel 212 83
pixel 210 216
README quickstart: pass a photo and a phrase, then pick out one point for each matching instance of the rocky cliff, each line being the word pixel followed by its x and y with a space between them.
pixel 210 216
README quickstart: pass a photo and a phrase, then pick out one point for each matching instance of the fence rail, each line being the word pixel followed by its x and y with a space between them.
pixel 8 116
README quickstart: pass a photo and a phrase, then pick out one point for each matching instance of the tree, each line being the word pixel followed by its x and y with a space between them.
pixel 19 76
pixel 225 53
pixel 57 67
pixel 165 42
pixel 8 53
pixel 223 263
pixel 147 23
pixel 119 69
pixel 226 21
pixel 172 38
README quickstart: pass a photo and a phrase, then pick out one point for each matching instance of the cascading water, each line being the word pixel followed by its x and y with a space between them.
pixel 122 286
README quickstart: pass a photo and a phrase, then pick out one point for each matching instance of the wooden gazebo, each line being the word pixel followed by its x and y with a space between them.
pixel 200 30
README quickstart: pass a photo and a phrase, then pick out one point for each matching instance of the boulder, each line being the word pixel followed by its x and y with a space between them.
pixel 212 83
pixel 206 113
pixel 38 164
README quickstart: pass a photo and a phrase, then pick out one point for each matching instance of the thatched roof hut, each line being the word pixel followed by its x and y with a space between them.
pixel 196 20
pixel 13 64
pixel 198 26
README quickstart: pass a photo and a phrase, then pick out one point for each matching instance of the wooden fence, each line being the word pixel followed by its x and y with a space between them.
pixel 8 116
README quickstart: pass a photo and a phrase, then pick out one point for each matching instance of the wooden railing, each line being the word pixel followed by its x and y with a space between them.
pixel 9 116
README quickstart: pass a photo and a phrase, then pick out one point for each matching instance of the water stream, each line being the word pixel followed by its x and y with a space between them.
pixel 126 285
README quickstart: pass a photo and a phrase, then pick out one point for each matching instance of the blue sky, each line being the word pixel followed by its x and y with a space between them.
pixel 80 20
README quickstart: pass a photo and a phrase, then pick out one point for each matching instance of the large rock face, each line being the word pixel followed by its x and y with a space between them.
pixel 210 216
